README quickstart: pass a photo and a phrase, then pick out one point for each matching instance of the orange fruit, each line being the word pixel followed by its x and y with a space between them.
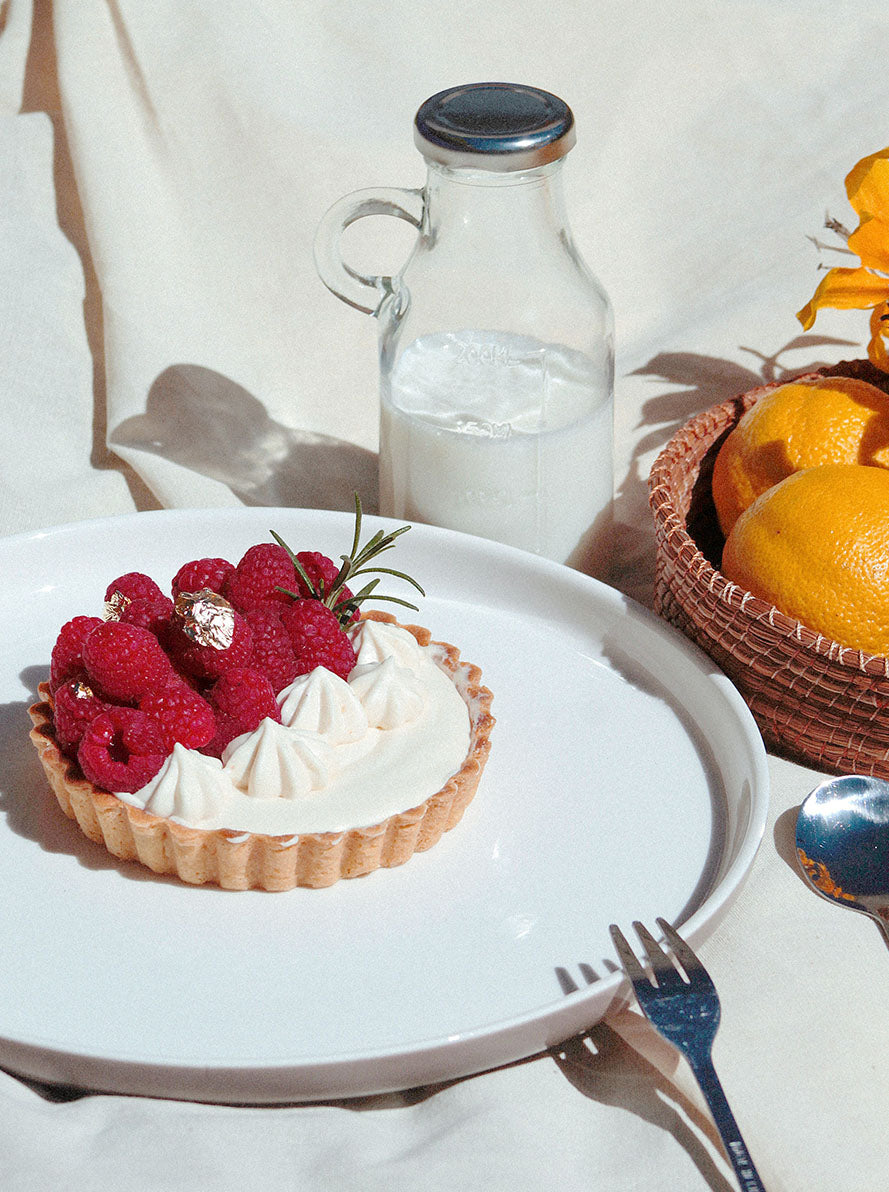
pixel 833 420
pixel 817 547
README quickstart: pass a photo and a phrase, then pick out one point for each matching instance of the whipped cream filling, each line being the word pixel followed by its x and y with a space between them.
pixel 347 754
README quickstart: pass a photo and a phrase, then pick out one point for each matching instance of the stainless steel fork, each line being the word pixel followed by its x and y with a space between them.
pixel 685 1010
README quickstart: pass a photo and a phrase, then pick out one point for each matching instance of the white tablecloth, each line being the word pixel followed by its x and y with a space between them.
pixel 162 170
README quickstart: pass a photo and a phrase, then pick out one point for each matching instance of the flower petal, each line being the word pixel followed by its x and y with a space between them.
pixel 845 289
pixel 870 242
pixel 879 330
pixel 867 185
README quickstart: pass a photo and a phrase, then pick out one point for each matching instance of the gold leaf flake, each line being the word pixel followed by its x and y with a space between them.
pixel 206 618
pixel 115 605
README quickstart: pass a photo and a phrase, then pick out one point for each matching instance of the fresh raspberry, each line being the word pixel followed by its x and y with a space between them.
pixel 122 591
pixel 322 572
pixel 241 699
pixel 122 749
pixel 200 574
pixel 318 639
pixel 246 694
pixel 184 716
pixel 124 661
pixel 319 569
pixel 67 653
pixel 151 613
pixel 227 728
pixel 133 586
pixel 272 651
pixel 74 707
pixel 263 568
pixel 210 661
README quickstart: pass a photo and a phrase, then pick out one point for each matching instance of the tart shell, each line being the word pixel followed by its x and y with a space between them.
pixel 238 860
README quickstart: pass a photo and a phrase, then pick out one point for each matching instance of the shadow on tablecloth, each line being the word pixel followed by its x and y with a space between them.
pixel 695 382
pixel 205 422
pixel 603 1067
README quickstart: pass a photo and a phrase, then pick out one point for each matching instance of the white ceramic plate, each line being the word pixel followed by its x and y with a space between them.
pixel 626 780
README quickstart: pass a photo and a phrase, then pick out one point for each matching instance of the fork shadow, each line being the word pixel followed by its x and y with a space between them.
pixel 603 1066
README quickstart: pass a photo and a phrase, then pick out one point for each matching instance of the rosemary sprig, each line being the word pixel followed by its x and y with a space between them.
pixel 354 564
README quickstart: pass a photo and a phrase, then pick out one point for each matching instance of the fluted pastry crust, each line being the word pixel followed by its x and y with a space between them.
pixel 238 860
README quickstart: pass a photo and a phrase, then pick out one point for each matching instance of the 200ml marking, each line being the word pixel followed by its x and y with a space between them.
pixel 499 355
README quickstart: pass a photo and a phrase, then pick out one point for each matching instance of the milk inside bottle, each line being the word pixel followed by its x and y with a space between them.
pixel 502 436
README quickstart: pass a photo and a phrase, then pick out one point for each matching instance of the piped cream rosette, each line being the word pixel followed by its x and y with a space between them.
pixel 339 788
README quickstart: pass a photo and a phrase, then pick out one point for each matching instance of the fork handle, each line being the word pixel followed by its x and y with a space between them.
pixel 734 1144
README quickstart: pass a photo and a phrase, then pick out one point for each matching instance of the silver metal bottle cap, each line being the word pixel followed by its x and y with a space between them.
pixel 494 126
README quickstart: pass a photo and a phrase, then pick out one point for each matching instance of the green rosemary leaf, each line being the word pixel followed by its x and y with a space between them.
pixel 300 570
pixel 353 564
pixel 391 571
pixel 398 600
pixel 372 547
pixel 357 536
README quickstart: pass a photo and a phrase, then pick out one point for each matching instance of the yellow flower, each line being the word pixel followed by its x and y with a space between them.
pixel 867 287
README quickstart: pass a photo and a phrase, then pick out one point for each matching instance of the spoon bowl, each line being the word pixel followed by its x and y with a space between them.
pixel 842 844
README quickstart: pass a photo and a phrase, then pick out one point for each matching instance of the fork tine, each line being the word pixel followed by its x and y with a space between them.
pixel 661 964
pixel 627 956
pixel 683 953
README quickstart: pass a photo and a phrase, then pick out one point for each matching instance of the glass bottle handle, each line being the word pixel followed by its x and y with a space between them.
pixel 364 293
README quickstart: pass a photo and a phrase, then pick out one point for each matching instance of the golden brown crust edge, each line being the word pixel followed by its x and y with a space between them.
pixel 248 860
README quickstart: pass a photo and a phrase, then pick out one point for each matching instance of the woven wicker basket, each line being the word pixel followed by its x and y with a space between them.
pixel 813 699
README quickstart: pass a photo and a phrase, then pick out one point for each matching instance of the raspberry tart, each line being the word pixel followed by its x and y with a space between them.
pixel 255 729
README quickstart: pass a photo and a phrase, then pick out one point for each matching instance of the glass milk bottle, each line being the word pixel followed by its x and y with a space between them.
pixel 496 342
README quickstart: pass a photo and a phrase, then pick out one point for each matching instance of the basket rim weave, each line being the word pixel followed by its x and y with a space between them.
pixel 701 432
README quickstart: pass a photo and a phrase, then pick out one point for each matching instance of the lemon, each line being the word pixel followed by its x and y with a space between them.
pixel 799 425
pixel 816 545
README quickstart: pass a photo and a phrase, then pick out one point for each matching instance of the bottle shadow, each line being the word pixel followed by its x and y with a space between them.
pixel 205 422
pixel 695 382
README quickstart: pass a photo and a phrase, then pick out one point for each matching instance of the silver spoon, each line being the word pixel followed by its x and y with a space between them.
pixel 842 844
